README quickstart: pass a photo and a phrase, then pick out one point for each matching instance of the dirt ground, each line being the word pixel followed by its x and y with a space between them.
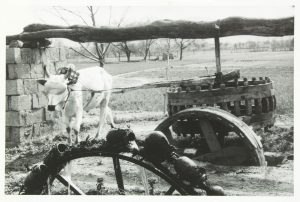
pixel 257 181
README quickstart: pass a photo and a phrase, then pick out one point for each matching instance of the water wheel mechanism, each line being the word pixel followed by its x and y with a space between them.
pixel 214 135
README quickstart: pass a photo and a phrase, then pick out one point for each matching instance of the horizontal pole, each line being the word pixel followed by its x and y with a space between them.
pixel 231 26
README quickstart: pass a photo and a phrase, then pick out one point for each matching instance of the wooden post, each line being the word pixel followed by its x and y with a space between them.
pixel 165 102
pixel 237 108
pixel 217 49
pixel 258 106
pixel 265 105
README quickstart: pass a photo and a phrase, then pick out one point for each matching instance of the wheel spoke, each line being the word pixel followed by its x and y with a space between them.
pixel 170 190
pixel 67 182
pixel 119 176
pixel 144 179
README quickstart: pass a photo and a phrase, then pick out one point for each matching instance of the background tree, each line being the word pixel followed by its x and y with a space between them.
pixel 126 47
pixel 147 44
pixel 183 44
pixel 93 51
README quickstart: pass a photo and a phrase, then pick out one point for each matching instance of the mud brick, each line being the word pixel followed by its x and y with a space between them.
pixel 21 102
pixel 39 100
pixel 30 56
pixel 25 118
pixel 13 55
pixel 15 118
pixel 26 55
pixel 12 136
pixel 35 116
pixel 50 54
pixel 36 56
pixel 14 87
pixel 30 86
pixel 37 71
pixel 6 102
pixel 18 71
pixel 16 135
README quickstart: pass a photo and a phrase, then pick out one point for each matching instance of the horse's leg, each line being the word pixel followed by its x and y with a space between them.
pixel 77 124
pixel 68 168
pixel 109 118
pixel 69 129
pixel 102 117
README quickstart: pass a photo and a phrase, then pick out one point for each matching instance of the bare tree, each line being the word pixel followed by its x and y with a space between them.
pixel 183 44
pixel 125 47
pixel 116 52
pixel 98 51
pixel 147 46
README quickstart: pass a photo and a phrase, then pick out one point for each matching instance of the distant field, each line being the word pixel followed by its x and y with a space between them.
pixel 279 66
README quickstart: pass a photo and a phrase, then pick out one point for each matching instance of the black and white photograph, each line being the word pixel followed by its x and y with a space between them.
pixel 162 98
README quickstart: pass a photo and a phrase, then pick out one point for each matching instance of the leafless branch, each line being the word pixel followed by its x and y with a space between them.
pixel 58 14
pixel 74 13
pixel 186 43
pixel 110 11
pixel 106 48
pixel 97 9
pixel 87 50
pixel 123 17
pixel 84 55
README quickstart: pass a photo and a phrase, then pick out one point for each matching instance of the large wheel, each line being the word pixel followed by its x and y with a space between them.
pixel 218 136
pixel 126 175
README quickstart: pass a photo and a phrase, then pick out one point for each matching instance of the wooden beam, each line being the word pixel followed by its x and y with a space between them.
pixel 222 96
pixel 210 135
pixel 231 26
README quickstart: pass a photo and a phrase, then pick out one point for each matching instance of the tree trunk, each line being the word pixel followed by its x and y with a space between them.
pixel 146 53
pixel 101 63
pixel 181 50
pixel 128 55
pixel 160 29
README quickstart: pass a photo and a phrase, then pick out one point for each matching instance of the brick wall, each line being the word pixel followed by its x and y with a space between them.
pixel 25 103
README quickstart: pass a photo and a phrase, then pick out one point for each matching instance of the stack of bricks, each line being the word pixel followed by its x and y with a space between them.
pixel 25 102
